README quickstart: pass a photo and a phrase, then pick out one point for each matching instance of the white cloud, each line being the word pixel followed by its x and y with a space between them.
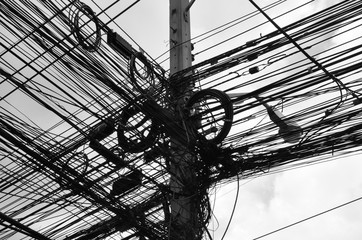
pixel 272 202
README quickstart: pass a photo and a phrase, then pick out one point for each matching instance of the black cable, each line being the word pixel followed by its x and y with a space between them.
pixel 247 30
pixel 234 207
pixel 308 218
pixel 320 66
pixel 232 23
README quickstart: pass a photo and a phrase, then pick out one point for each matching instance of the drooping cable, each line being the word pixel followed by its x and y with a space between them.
pixel 234 207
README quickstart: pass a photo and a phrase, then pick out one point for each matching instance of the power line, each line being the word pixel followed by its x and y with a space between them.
pixel 309 218
pixel 234 207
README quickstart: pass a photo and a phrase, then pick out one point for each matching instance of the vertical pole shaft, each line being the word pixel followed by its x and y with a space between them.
pixel 180 45
pixel 184 205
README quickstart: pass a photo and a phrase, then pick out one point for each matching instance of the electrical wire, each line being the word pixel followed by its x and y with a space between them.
pixel 309 218
pixel 234 207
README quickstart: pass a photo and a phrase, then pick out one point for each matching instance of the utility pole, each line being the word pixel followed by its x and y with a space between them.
pixel 184 222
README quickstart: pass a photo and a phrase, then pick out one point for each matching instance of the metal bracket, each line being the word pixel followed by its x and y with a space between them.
pixel 187 9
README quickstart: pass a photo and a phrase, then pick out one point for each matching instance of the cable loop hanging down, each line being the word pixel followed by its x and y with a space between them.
pixel 211 113
pixel 86 41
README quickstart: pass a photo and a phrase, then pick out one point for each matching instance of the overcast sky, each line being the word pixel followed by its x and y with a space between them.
pixel 269 202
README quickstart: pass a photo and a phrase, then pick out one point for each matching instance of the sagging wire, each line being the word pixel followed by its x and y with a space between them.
pixel 234 206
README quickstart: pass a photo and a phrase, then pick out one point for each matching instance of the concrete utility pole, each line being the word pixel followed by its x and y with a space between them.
pixel 184 223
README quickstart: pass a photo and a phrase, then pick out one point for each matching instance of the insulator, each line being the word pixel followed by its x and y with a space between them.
pixel 253 70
